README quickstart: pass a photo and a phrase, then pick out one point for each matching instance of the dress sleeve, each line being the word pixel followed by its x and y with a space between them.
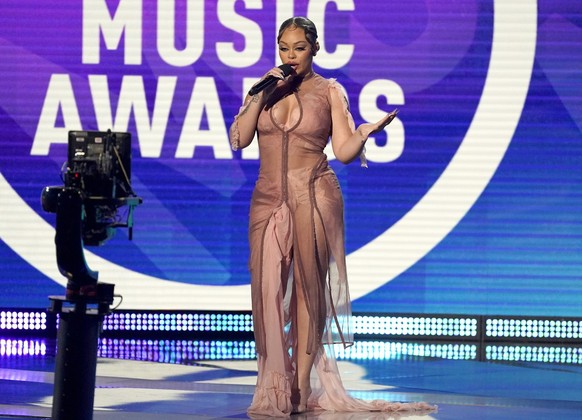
pixel 234 131
pixel 336 89
pixel 234 135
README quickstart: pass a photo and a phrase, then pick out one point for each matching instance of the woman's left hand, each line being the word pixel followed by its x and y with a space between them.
pixel 368 129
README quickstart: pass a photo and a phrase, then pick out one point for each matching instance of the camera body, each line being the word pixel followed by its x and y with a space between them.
pixel 97 183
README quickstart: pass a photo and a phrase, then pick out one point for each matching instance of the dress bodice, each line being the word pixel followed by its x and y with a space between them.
pixel 308 129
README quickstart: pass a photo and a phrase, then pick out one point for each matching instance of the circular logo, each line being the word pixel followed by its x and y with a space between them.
pixel 394 250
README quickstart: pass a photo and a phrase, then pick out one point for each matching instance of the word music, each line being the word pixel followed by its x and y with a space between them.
pixel 202 123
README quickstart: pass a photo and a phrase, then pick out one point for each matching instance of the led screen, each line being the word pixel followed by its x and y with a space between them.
pixel 471 203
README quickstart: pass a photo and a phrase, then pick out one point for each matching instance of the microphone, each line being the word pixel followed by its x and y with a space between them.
pixel 286 68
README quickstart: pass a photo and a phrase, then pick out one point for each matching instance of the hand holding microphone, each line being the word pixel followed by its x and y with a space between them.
pixel 270 80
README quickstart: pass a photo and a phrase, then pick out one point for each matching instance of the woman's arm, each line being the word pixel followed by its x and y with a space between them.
pixel 348 141
pixel 242 130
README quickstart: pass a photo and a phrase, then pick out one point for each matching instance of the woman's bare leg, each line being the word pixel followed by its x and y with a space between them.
pixel 309 274
pixel 305 361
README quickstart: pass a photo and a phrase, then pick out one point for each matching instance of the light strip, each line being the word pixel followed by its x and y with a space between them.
pixel 375 326
pixel 22 348
pixel 23 320
pixel 176 322
pixel 543 354
pixel 416 326
pixel 533 328
pixel 389 350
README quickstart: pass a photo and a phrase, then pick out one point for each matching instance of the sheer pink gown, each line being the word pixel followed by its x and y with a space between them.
pixel 296 231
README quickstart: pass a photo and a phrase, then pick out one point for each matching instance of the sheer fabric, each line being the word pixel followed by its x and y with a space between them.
pixel 296 234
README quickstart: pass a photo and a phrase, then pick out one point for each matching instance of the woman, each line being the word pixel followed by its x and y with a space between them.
pixel 299 287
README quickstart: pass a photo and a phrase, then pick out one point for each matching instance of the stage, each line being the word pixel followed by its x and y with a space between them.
pixel 159 380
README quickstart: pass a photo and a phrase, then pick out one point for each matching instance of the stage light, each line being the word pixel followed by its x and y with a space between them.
pixel 177 351
pixel 178 322
pixel 23 320
pixel 415 326
pixel 22 348
pixel 534 353
pixel 390 350
pixel 533 328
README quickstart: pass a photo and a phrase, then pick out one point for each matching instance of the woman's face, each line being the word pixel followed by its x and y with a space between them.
pixel 295 50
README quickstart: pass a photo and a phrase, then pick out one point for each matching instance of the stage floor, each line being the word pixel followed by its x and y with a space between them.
pixel 222 389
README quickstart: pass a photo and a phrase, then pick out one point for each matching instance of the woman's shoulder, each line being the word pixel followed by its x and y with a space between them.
pixel 324 81
pixel 326 85
pixel 331 86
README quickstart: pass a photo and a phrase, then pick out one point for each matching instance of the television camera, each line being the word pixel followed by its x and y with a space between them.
pixel 88 206
pixel 96 187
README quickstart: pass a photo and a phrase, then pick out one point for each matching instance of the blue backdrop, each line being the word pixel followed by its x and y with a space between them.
pixel 471 203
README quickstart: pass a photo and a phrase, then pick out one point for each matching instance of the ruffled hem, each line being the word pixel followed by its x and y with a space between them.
pixel 350 404
pixel 272 396
pixel 363 159
pixel 396 407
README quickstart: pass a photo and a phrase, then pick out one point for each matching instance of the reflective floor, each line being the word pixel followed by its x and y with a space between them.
pixel 143 382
